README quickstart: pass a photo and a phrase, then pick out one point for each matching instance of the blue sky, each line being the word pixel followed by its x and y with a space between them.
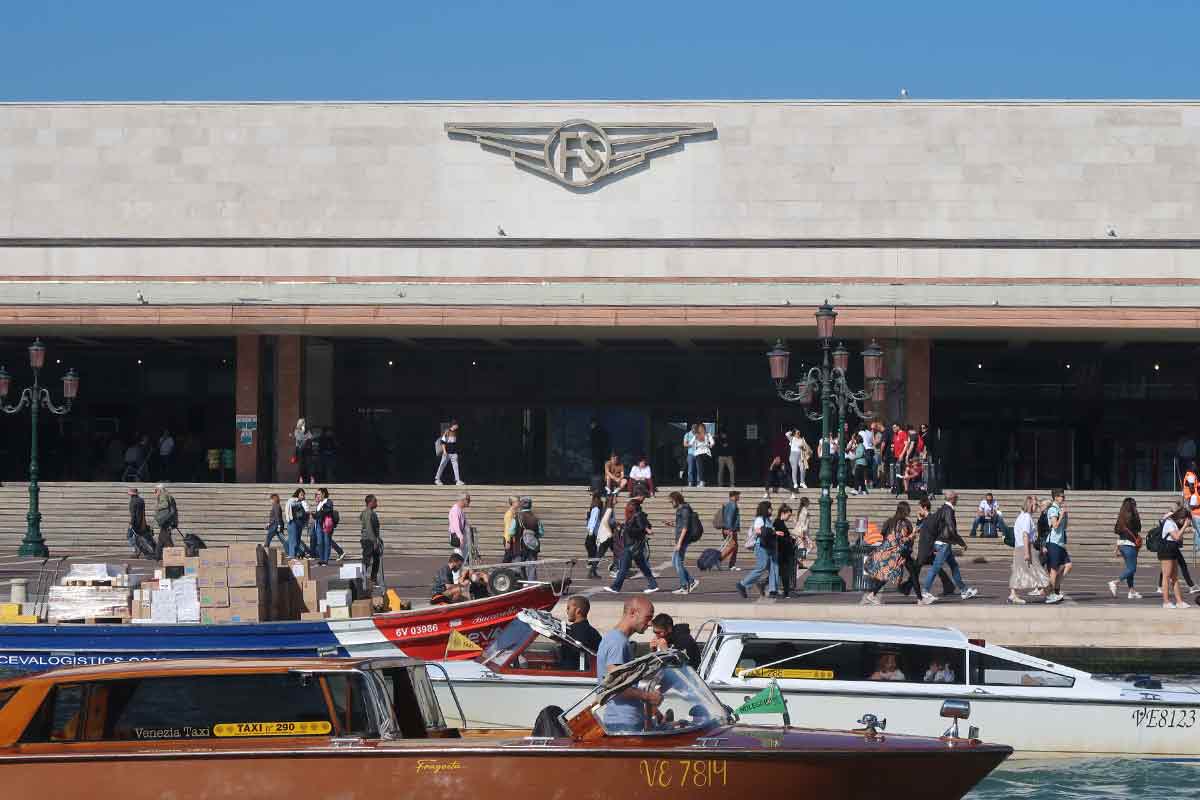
pixel 460 49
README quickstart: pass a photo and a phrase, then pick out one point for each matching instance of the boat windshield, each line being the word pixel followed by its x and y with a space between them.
pixel 686 701
pixel 507 643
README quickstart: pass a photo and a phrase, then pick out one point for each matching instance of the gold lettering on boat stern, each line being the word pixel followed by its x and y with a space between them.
pixel 271 728
pixel 436 765
pixel 690 774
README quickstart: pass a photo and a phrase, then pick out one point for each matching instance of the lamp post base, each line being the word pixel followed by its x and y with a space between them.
pixel 824 582
pixel 33 545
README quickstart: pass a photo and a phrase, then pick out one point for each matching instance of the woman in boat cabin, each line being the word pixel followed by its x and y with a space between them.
pixel 886 562
pixel 887 668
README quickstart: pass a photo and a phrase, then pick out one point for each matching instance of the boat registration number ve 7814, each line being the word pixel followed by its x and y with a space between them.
pixel 686 773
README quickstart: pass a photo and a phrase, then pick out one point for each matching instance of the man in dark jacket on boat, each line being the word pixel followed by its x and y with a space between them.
pixel 579 629
pixel 668 635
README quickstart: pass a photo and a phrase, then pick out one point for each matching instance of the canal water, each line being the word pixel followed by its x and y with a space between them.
pixel 1090 779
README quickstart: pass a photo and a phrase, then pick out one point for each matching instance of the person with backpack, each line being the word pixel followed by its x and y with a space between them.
pixel 592 527
pixel 166 516
pixel 1128 529
pixel 531 536
pixel 633 532
pixel 1173 529
pixel 886 561
pixel 1027 572
pixel 938 537
pixel 372 542
pixel 688 529
pixel 785 551
pixel 731 529
pixel 296 513
pixel 275 524
pixel 1180 561
pixel 140 539
pixel 1058 560
pixel 446 448
pixel 760 531
pixel 607 540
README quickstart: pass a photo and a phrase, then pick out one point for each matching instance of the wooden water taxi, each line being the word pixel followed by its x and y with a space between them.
pixel 372 727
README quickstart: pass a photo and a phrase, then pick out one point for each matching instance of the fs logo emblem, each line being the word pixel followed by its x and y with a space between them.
pixel 579 153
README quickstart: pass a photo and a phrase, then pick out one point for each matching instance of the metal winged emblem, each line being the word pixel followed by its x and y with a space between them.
pixel 578 153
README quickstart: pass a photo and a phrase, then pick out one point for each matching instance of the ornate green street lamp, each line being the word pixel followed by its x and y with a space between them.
pixel 838 401
pixel 36 397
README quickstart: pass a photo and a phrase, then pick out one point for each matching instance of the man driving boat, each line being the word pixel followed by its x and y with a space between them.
pixel 627 711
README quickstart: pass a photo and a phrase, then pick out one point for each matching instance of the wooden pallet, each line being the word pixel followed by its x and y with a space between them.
pixel 94 620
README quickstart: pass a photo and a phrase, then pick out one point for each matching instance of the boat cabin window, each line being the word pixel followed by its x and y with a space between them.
pixel 990 670
pixel 413 700
pixel 346 690
pixel 687 704
pixel 195 707
pixel 807 659
pixel 58 720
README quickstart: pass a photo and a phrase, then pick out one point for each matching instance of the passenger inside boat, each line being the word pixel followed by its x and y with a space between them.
pixel 817 660
pixel 886 669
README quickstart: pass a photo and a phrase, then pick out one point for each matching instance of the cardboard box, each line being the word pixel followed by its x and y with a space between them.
pixel 299 568
pixel 214 596
pixel 150 586
pixel 351 571
pixel 247 576
pixel 245 612
pixel 361 608
pixel 215 616
pixel 191 566
pixel 246 555
pixel 212 577
pixel 214 557
pixel 173 556
pixel 339 612
pixel 338 598
pixel 311 616
pixel 245 595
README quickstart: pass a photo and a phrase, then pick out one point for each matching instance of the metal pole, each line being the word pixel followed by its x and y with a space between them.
pixel 841 542
pixel 33 544
pixel 824 577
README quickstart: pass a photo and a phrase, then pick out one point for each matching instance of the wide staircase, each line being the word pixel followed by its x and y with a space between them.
pixel 91 518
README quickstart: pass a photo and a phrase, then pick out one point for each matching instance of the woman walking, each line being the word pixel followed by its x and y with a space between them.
pixel 275 524
pixel 1129 540
pixel 857 453
pixel 1027 572
pixel 446 447
pixel 785 550
pixel 759 530
pixel 607 540
pixel 804 543
pixel 1173 531
pixel 592 527
pixel 886 562
pixel 324 521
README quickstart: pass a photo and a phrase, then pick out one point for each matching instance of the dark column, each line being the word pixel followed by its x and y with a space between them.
pixel 288 389
pixel 247 402
pixel 917 354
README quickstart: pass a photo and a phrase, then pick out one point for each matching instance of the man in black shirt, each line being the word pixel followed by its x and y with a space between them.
pixel 668 635
pixel 579 629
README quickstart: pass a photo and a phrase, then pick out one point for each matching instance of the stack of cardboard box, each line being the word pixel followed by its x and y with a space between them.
pixel 234 585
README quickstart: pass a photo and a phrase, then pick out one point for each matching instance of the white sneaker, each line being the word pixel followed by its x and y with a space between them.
pixel 1168 605
pixel 1112 588
pixel 700 485
pixel 1037 593
pixel 970 592
pixel 1051 599
pixel 1193 589
pixel 694 585
pixel 1014 600
pixel 1183 604
pixel 460 483
pixel 437 483
pixel 927 600
pixel 868 599
pixel 650 591
pixel 804 486
pixel 611 589
pixel 735 569
pixel 1134 595
pixel 680 590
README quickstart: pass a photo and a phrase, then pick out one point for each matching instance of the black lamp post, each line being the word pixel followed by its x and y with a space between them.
pixel 35 397
pixel 837 398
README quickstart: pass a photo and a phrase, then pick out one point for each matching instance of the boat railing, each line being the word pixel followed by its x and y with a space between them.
pixel 449 684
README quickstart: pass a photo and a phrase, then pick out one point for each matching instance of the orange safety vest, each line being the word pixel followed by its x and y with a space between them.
pixel 1191 493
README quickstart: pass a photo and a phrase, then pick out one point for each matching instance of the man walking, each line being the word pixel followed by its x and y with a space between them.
pixel 627 711
pixel 372 542
pixel 731 528
pixel 137 535
pixel 723 450
pixel 938 537
pixel 687 530
pixel 1058 560
pixel 166 516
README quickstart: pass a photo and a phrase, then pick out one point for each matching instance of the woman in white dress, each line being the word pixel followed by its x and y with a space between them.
pixel 1027 571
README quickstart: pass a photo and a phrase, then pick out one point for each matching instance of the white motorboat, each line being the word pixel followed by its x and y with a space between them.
pixel 832 672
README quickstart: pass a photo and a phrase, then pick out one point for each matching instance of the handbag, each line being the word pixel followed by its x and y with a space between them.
pixel 603 529
pixel 530 541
